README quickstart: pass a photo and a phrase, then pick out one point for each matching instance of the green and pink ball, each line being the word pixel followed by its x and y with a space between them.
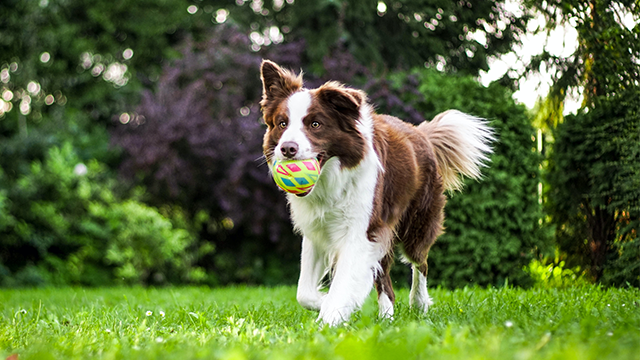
pixel 296 176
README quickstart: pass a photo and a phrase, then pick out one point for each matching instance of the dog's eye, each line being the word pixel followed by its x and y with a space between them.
pixel 315 124
pixel 282 124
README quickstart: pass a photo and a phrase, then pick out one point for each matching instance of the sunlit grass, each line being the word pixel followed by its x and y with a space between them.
pixel 266 323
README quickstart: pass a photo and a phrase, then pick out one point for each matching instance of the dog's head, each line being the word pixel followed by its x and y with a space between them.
pixel 321 123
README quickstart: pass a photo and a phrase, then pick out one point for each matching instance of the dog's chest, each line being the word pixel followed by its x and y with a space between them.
pixel 323 222
pixel 341 206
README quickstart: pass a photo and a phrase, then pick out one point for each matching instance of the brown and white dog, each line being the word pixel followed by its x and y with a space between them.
pixel 381 184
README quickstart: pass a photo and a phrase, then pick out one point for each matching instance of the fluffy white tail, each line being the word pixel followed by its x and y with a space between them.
pixel 461 144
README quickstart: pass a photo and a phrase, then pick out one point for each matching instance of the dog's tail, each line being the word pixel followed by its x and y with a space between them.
pixel 461 143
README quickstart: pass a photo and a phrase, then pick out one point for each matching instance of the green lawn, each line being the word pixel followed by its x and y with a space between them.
pixel 266 323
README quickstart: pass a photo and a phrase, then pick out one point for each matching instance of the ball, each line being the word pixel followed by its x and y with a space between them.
pixel 296 176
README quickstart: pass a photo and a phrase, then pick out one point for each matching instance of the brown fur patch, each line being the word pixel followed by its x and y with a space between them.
pixel 277 85
pixel 409 195
pixel 337 111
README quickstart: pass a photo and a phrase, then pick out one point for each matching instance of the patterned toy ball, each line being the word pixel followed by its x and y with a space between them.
pixel 295 176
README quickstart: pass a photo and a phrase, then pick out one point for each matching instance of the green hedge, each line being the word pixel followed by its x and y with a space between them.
pixel 492 226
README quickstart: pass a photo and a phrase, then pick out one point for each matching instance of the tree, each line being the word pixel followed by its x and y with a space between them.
pixel 594 189
pixel 382 35
pixel 68 67
pixel 595 163
pixel 83 53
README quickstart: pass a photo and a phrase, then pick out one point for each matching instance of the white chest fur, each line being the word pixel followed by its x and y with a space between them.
pixel 340 205
pixel 334 219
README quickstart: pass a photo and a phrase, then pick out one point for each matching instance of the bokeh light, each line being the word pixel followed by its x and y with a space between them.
pixel 221 15
pixel 127 54
pixel 25 105
pixel 45 57
pixel 7 95
pixel 34 88
pixel 125 118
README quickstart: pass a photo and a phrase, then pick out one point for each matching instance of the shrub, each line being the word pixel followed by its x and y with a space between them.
pixel 69 226
pixel 554 273
pixel 196 141
pixel 492 226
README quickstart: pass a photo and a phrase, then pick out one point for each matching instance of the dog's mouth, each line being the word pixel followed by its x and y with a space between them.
pixel 322 158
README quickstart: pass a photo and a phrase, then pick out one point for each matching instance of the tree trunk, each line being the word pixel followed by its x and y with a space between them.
pixel 602 233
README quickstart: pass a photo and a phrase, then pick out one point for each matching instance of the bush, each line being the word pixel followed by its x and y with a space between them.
pixel 554 273
pixel 492 227
pixel 69 226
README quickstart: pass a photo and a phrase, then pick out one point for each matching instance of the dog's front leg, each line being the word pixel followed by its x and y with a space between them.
pixel 312 269
pixel 352 280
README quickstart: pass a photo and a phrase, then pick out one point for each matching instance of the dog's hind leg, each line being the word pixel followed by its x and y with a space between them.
pixel 420 229
pixel 419 296
pixel 386 296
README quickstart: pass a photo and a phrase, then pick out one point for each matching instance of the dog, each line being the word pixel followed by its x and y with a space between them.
pixel 381 186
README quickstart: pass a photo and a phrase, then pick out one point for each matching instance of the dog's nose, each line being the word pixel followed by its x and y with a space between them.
pixel 289 149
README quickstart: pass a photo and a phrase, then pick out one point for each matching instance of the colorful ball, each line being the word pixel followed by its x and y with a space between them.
pixel 295 176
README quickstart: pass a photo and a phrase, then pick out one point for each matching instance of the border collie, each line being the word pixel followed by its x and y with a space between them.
pixel 381 184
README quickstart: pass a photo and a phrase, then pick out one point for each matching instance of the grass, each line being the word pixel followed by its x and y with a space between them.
pixel 586 322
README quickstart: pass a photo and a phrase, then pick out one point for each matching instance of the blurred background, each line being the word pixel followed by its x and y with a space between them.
pixel 130 134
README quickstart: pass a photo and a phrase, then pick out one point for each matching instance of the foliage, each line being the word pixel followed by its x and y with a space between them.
pixel 594 188
pixel 74 50
pixel 93 72
pixel 492 227
pixel 586 322
pixel 592 194
pixel 605 60
pixel 197 141
pixel 456 35
pixel 69 226
pixel 68 68
pixel 623 267
pixel 554 273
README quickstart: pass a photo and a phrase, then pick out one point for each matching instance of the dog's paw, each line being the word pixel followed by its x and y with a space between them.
pixel 333 315
pixel 332 318
pixel 421 303
pixel 311 301
pixel 385 307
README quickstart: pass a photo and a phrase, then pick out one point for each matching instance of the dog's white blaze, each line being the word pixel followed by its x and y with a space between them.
pixel 419 296
pixel 365 127
pixel 335 217
pixel 298 107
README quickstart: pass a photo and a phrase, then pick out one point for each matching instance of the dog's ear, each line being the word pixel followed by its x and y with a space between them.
pixel 342 100
pixel 277 82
